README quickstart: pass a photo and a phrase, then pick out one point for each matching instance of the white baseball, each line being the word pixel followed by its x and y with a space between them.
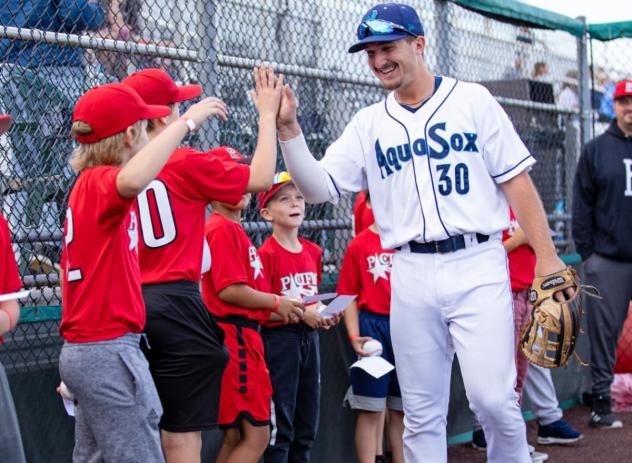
pixel 372 347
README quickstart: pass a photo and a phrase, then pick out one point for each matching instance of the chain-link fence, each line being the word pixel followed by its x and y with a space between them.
pixel 52 51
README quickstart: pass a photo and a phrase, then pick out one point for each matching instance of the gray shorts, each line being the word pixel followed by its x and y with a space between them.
pixel 10 440
pixel 117 408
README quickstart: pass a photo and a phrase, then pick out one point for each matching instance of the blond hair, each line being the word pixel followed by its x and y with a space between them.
pixel 110 151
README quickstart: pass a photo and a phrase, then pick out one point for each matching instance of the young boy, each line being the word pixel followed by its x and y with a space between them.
pixel 103 314
pixel 236 292
pixel 187 355
pixel 365 272
pixel 10 440
pixel 294 269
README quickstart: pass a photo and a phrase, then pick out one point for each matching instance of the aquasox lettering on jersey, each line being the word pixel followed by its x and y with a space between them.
pixel 379 265
pixel 435 172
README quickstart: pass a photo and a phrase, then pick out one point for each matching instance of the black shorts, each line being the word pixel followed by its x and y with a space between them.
pixel 186 354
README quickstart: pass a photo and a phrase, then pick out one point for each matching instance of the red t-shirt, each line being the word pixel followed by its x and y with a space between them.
pixel 521 260
pixel 366 272
pixel 293 274
pixel 234 259
pixel 362 216
pixel 171 212
pixel 9 276
pixel 101 297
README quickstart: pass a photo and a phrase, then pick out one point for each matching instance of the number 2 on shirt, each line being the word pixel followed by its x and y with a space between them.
pixel 73 274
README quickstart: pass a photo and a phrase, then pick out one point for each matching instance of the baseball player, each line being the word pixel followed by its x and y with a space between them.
pixel 103 314
pixel 440 160
pixel 187 355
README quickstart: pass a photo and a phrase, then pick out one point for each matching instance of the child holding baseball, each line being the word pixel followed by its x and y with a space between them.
pixel 117 408
pixel 294 269
pixel 238 295
pixel 365 272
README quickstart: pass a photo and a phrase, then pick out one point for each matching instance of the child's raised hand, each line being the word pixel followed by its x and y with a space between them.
pixel 267 93
pixel 205 109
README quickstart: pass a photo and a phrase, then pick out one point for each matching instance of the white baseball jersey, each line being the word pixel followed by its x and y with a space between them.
pixel 433 173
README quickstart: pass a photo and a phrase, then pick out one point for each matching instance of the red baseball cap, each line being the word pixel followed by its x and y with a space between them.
pixel 155 86
pixel 623 88
pixel 5 123
pixel 280 180
pixel 110 109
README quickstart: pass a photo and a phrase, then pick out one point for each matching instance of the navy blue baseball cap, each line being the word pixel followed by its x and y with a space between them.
pixel 387 22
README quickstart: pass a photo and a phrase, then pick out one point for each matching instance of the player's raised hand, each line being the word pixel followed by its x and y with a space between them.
pixel 290 310
pixel 287 111
pixel 267 93
pixel 357 342
pixel 205 109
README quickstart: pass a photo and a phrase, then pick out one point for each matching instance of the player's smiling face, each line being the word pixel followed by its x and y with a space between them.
pixel 286 207
pixel 393 62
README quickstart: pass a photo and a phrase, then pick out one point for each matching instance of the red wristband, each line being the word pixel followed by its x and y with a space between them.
pixel 277 303
pixel 353 337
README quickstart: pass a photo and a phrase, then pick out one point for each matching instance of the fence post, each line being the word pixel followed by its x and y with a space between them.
pixel 584 85
pixel 208 75
pixel 443 37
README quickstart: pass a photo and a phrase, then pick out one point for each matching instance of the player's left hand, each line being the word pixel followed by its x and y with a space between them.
pixel 549 266
pixel 328 322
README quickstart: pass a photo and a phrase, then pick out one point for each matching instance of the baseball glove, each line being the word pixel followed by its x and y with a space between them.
pixel 549 337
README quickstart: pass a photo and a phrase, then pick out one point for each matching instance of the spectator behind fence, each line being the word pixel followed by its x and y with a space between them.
pixel 602 220
pixel 40 83
pixel 568 97
pixel 540 71
pixel 606 103
pixel 516 71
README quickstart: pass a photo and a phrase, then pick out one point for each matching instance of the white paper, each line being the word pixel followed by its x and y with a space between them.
pixel 69 405
pixel 318 298
pixel 336 306
pixel 16 295
pixel 375 366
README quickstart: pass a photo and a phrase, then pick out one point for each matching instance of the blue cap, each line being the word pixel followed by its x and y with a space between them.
pixel 387 22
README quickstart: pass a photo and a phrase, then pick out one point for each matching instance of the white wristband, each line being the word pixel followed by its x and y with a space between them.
pixel 189 122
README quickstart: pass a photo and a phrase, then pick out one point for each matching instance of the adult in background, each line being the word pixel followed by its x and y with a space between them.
pixel 39 84
pixel 602 220
pixel 428 154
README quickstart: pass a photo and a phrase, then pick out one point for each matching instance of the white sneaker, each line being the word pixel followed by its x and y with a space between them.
pixel 537 457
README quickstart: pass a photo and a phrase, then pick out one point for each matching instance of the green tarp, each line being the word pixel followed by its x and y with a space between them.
pixel 518 13
pixel 610 31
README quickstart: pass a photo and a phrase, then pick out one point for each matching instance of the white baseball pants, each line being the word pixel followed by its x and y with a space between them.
pixel 460 303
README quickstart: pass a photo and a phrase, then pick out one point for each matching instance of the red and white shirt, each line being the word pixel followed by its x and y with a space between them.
pixel 366 272
pixel 521 260
pixel 171 212
pixel 235 261
pixel 292 274
pixel 9 276
pixel 101 297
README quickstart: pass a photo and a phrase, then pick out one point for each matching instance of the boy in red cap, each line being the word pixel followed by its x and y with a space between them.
pixel 11 442
pixel 366 272
pixel 117 407
pixel 238 295
pixel 294 269
pixel 186 351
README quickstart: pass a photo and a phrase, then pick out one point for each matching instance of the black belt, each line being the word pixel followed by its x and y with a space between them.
pixel 452 244
pixel 239 321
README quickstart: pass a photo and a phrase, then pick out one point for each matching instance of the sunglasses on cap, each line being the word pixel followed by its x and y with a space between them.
pixel 373 27
pixel 281 177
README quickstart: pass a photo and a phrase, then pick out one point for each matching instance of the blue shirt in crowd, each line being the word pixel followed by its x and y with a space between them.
pixel 69 16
